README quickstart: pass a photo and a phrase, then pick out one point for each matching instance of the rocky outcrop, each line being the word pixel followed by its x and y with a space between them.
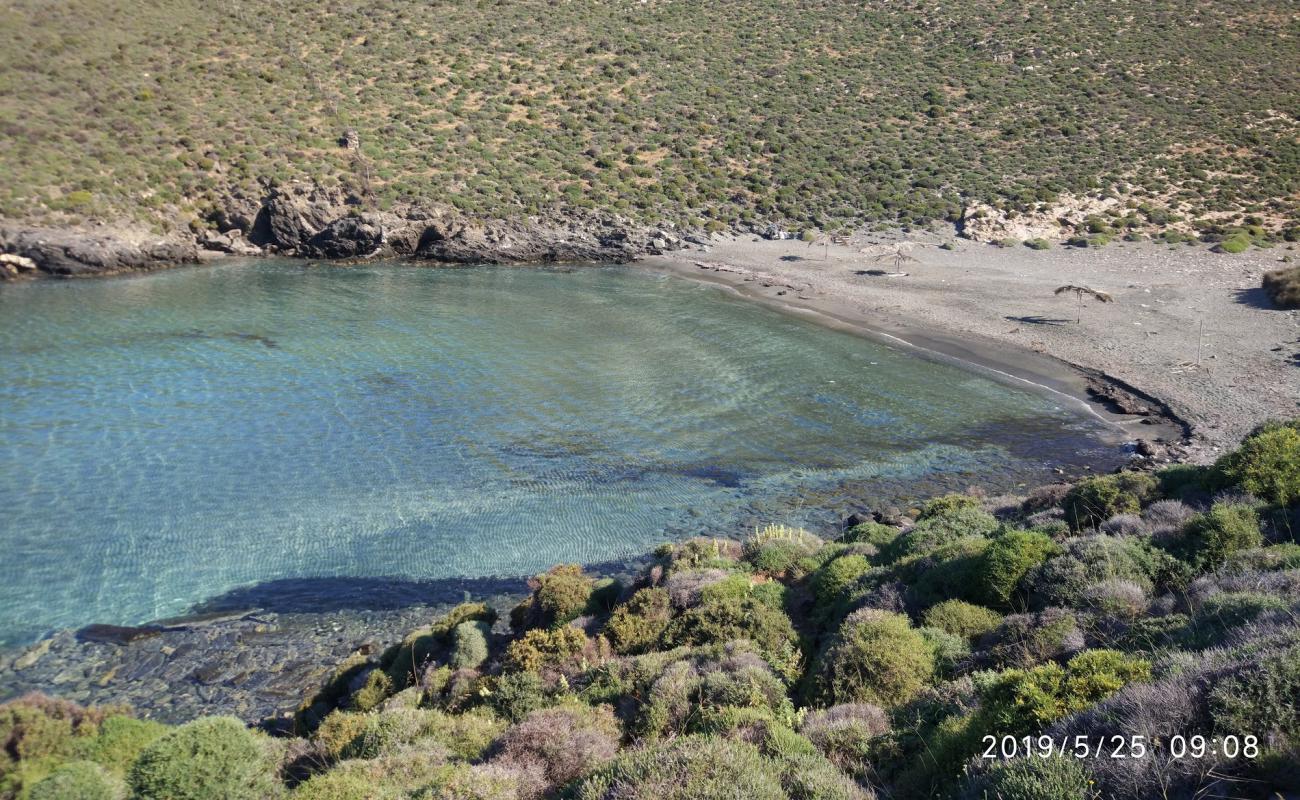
pixel 77 252
pixel 347 237
pixel 311 221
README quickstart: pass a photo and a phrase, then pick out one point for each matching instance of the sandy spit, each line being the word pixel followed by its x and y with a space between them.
pixel 1189 327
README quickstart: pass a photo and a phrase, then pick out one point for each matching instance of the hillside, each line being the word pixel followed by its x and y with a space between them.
pixel 809 112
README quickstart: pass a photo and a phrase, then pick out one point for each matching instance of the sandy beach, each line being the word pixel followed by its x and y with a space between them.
pixel 1188 328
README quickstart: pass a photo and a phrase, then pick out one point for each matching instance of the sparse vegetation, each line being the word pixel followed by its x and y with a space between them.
pixel 707 114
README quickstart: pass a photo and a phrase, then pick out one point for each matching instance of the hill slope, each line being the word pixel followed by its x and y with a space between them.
pixel 805 111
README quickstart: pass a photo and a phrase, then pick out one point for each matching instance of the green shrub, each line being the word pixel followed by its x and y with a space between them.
pixel 1275 557
pixel 385 731
pixel 778 549
pixel 210 757
pixel 469 645
pixel 636 626
pixel 376 688
pixel 542 648
pixel 1033 778
pixel 1262 696
pixel 1225 529
pixel 1022 701
pixel 1283 287
pixel 344 785
pixel 1237 243
pixel 120 741
pixel 942 527
pixel 1267 464
pixel 845 733
pixel 337 732
pixel 875 657
pixel 515 694
pixel 951 570
pixel 1038 244
pixel 1225 612
pixel 733 609
pixel 1006 562
pixel 78 780
pixel 961 618
pixel 1027 639
pixel 948 504
pixel 830 583
pixel 560 595
pixel 1065 579
pixel 949 649
pixel 687 768
pixel 1092 501
pixel 872 533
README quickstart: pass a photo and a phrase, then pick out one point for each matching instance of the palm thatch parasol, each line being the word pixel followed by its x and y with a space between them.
pixel 1079 292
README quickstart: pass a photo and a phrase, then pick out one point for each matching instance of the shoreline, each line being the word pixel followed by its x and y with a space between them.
pixel 1008 364
pixel 970 305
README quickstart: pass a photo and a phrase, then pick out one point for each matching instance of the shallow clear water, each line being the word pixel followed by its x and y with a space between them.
pixel 166 438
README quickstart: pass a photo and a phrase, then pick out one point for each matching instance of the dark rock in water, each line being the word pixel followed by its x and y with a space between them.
pixel 77 252
pixel 117 634
pixel 348 237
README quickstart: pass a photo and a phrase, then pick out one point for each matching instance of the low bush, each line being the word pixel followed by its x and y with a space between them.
pixel 1022 701
pixel 777 549
pixel 961 618
pixel 1033 778
pixel 1064 579
pixel 1267 464
pixel 1038 244
pixel 1283 287
pixel 515 694
pixel 687 768
pixel 845 733
pixel 1223 613
pixel 469 645
pixel 1095 500
pixel 78 780
pixel 1225 529
pixel 568 741
pixel 210 757
pixel 1006 562
pixel 872 533
pixel 735 609
pixel 636 626
pixel 831 583
pixel 542 648
pixel 560 595
pixel 1023 640
pixel 875 657
pixel 1260 696
pixel 944 526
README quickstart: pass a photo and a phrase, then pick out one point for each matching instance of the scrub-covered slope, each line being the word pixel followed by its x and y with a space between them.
pixel 807 112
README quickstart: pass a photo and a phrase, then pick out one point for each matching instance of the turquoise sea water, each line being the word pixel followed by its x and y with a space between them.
pixel 169 437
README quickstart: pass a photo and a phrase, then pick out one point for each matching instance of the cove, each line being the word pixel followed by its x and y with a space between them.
pixel 166 438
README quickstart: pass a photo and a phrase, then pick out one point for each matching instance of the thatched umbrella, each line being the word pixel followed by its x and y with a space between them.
pixel 1079 292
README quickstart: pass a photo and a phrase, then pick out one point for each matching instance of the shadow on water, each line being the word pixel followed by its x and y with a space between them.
pixel 323 595
pixel 335 594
